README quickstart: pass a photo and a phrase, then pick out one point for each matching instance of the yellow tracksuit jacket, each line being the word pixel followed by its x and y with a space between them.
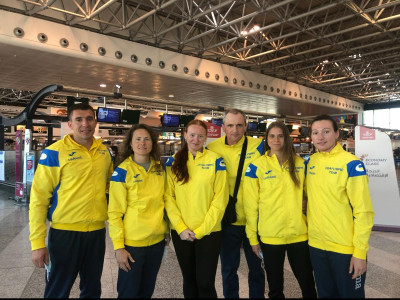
pixel 273 203
pixel 339 210
pixel 136 207
pixel 231 156
pixel 69 188
pixel 199 204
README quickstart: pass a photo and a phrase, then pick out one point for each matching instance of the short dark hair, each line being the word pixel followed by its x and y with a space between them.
pixel 79 106
pixel 327 118
pixel 234 111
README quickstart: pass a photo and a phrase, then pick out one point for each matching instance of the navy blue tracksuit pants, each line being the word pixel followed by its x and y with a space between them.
pixel 140 280
pixel 73 252
pixel 331 272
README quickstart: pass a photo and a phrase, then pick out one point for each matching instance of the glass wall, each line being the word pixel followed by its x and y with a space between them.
pixel 382 118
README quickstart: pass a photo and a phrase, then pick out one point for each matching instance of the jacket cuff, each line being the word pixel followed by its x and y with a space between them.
pixel 38 244
pixel 181 227
pixel 361 254
pixel 118 244
pixel 254 241
pixel 198 233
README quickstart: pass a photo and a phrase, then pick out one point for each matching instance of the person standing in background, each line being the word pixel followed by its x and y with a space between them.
pixel 234 235
pixel 69 188
pixel 196 195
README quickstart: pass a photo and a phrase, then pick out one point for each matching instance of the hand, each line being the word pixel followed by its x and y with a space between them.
pixel 167 239
pixel 257 250
pixel 187 235
pixel 123 257
pixel 359 266
pixel 40 257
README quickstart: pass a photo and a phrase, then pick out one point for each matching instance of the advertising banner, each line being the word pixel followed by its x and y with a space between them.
pixel 30 166
pixel 18 150
pixel 2 165
pixel 374 148
pixel 213 131
pixel 19 189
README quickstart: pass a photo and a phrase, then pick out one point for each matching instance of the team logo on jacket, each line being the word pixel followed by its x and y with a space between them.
pixel 101 151
pixel 360 168
pixel 115 173
pixel 311 172
pixel 137 180
pixel 269 175
pixel 43 156
pixel 72 153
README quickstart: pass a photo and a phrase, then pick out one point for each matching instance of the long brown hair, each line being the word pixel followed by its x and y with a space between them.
pixel 127 150
pixel 288 149
pixel 179 166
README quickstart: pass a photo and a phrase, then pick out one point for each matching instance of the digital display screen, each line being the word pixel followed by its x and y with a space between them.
pixel 170 120
pixel 252 126
pixel 217 122
pixel 262 127
pixel 185 119
pixel 130 116
pixel 108 115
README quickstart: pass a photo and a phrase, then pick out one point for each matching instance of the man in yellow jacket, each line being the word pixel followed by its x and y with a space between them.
pixel 69 189
pixel 233 235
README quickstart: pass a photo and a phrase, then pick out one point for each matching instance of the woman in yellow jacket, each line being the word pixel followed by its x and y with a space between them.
pixel 340 214
pixel 273 206
pixel 195 199
pixel 136 214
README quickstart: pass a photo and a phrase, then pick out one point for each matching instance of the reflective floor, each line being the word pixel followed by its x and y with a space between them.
pixel 20 279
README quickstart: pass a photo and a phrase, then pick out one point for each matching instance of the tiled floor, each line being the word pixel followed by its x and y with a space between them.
pixel 19 279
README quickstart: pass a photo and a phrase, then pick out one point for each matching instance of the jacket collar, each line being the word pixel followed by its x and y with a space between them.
pixel 71 144
pixel 274 158
pixel 198 153
pixel 237 145
pixel 337 149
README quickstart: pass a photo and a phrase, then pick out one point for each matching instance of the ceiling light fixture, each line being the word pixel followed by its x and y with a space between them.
pixel 171 96
pixel 103 85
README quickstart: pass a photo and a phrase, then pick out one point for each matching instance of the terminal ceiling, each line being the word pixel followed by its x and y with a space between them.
pixel 345 48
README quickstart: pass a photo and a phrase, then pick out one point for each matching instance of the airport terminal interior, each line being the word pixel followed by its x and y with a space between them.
pixel 166 62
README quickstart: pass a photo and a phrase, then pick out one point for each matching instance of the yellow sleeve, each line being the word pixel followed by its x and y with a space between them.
pixel 117 207
pixel 44 186
pixel 251 188
pixel 363 213
pixel 218 204
pixel 173 212
pixel 110 172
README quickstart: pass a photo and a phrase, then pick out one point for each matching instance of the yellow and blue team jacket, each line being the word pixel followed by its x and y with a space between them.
pixel 199 204
pixel 339 210
pixel 231 156
pixel 273 203
pixel 69 188
pixel 136 207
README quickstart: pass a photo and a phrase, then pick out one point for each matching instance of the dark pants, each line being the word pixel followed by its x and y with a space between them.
pixel 140 281
pixel 332 276
pixel 198 261
pixel 232 238
pixel 73 252
pixel 299 260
